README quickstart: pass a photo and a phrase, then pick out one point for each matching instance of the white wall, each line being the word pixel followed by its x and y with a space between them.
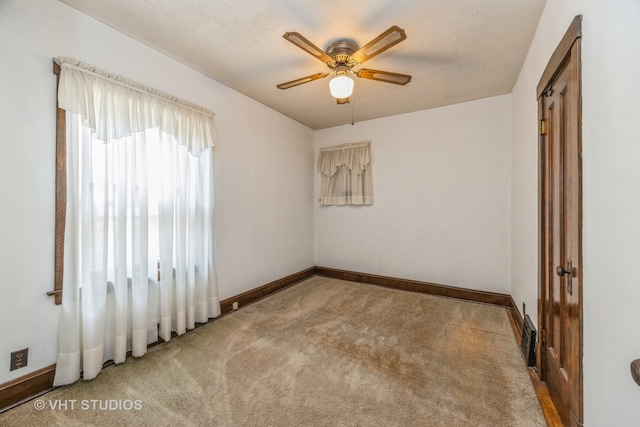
pixel 263 169
pixel 441 198
pixel 611 194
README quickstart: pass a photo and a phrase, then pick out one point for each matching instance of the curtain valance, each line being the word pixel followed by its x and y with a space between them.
pixel 356 157
pixel 115 107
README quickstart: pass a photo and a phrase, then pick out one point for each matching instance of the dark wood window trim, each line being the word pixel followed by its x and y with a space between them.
pixel 61 194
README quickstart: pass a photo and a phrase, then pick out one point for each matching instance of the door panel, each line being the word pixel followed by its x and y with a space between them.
pixel 560 320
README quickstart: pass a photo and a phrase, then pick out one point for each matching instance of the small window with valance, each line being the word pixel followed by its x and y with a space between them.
pixel 346 174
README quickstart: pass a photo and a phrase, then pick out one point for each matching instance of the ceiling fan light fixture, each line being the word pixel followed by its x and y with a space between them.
pixel 341 86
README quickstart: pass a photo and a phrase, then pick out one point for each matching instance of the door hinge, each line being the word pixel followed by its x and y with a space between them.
pixel 543 127
pixel 548 91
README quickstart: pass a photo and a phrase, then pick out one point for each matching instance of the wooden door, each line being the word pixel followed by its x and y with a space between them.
pixel 560 306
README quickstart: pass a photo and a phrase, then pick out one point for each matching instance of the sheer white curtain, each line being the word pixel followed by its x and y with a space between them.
pixel 346 174
pixel 139 253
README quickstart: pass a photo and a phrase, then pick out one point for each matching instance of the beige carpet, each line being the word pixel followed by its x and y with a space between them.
pixel 321 353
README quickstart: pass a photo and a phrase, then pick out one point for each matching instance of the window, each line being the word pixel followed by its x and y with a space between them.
pixel 134 218
pixel 346 174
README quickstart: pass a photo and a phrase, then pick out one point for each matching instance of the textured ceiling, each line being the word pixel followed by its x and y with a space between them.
pixel 456 50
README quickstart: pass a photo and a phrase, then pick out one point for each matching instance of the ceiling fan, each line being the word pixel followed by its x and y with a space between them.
pixel 342 55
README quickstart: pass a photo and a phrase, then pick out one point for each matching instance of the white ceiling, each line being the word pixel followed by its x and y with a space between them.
pixel 456 50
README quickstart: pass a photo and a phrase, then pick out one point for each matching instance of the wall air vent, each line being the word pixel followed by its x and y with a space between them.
pixel 528 343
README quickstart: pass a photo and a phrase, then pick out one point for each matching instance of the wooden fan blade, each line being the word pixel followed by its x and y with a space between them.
pixel 384 41
pixel 302 80
pixel 306 45
pixel 384 76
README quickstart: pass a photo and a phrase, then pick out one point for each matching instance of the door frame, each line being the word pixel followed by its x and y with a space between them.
pixel 571 37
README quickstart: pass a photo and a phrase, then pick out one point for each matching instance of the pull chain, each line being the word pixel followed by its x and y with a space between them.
pixel 351 110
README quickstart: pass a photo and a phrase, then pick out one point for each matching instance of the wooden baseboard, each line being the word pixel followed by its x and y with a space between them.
pixel 253 295
pixel 26 387
pixel 549 410
pixel 517 322
pixel 493 298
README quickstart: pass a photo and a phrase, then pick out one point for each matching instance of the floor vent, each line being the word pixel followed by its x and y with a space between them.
pixel 528 343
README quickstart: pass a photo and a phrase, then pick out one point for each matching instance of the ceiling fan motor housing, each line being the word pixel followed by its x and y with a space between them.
pixel 341 51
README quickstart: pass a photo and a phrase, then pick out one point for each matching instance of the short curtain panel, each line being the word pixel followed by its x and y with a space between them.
pixel 346 174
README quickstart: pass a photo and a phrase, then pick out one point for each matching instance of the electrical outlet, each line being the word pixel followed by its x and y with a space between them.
pixel 235 305
pixel 19 359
